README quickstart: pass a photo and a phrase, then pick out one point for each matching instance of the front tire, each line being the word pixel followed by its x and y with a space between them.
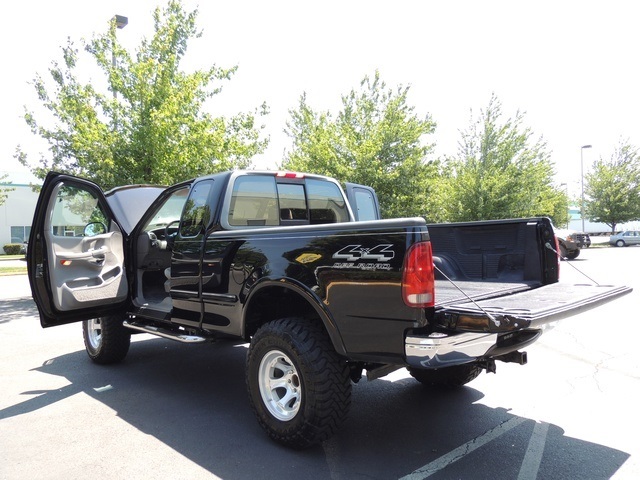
pixel 448 377
pixel 620 243
pixel 299 387
pixel 106 339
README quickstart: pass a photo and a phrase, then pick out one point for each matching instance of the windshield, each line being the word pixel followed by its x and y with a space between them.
pixel 169 211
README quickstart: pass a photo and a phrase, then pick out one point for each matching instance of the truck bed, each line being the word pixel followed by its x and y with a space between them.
pixel 447 293
pixel 507 269
pixel 488 259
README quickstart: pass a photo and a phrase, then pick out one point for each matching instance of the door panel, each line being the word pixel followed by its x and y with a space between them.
pixel 76 254
pixel 87 270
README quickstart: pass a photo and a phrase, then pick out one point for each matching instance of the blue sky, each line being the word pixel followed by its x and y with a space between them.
pixel 571 66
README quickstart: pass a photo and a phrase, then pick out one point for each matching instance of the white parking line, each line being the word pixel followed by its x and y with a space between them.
pixel 535 451
pixel 463 450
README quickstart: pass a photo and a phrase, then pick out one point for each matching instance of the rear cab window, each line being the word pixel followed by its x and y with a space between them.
pixel 261 200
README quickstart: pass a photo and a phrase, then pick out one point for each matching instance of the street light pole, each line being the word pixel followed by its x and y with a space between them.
pixel 582 184
pixel 121 22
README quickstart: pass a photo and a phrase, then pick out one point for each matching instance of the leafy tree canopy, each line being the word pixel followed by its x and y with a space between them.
pixel 500 172
pixel 375 139
pixel 3 189
pixel 613 188
pixel 151 126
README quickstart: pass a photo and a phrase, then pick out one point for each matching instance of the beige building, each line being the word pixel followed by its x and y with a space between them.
pixel 16 214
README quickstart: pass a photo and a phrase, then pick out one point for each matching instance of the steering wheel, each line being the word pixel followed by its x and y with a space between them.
pixel 153 239
pixel 168 236
pixel 168 227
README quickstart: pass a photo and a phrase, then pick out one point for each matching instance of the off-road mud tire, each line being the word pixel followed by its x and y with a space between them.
pixel 106 339
pixel 316 380
pixel 449 377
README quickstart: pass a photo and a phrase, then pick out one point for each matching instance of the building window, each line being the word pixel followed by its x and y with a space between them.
pixel 20 234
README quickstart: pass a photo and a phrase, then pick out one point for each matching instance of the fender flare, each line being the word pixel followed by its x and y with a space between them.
pixel 309 296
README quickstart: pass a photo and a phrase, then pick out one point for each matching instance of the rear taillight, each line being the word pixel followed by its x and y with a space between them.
pixel 418 279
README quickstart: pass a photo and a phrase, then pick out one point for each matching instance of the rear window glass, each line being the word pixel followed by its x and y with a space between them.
pixel 261 200
pixel 326 203
pixel 254 201
pixel 293 204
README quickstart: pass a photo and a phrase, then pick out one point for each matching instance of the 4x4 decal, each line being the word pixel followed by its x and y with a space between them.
pixel 353 253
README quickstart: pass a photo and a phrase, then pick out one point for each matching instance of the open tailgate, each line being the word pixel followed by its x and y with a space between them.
pixel 529 309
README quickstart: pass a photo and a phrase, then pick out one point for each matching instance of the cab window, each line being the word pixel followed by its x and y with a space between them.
pixel 74 209
pixel 326 202
pixel 293 204
pixel 197 211
pixel 365 204
pixel 254 201
pixel 264 200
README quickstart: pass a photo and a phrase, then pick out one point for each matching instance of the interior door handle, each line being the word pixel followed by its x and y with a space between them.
pixel 86 256
pixel 98 260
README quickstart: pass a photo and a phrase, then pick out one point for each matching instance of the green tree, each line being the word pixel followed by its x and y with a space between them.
pixel 4 190
pixel 376 139
pixel 500 172
pixel 612 188
pixel 151 125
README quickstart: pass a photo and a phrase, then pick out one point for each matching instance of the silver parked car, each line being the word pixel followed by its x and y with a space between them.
pixel 624 239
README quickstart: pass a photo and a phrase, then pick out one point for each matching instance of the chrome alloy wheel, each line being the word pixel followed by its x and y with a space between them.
pixel 94 333
pixel 279 385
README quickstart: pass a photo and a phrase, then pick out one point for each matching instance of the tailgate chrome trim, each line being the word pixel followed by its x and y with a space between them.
pixel 444 350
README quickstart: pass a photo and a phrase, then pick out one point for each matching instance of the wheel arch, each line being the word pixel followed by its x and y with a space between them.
pixel 273 299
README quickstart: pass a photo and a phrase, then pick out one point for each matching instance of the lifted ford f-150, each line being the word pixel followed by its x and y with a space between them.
pixel 321 288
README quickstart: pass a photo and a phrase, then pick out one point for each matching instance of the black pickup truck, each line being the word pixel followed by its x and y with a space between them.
pixel 308 274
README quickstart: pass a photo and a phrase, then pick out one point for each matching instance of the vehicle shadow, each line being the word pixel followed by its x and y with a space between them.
pixel 193 399
pixel 16 308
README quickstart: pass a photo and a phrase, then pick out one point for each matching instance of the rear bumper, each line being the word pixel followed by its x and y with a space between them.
pixel 447 349
pixel 443 350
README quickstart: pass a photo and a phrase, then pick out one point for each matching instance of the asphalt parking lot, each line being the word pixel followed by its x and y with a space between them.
pixel 175 411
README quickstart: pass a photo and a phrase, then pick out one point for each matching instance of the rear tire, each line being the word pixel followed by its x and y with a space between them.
pixel 106 339
pixel 299 387
pixel 448 377
pixel 563 252
pixel 573 255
